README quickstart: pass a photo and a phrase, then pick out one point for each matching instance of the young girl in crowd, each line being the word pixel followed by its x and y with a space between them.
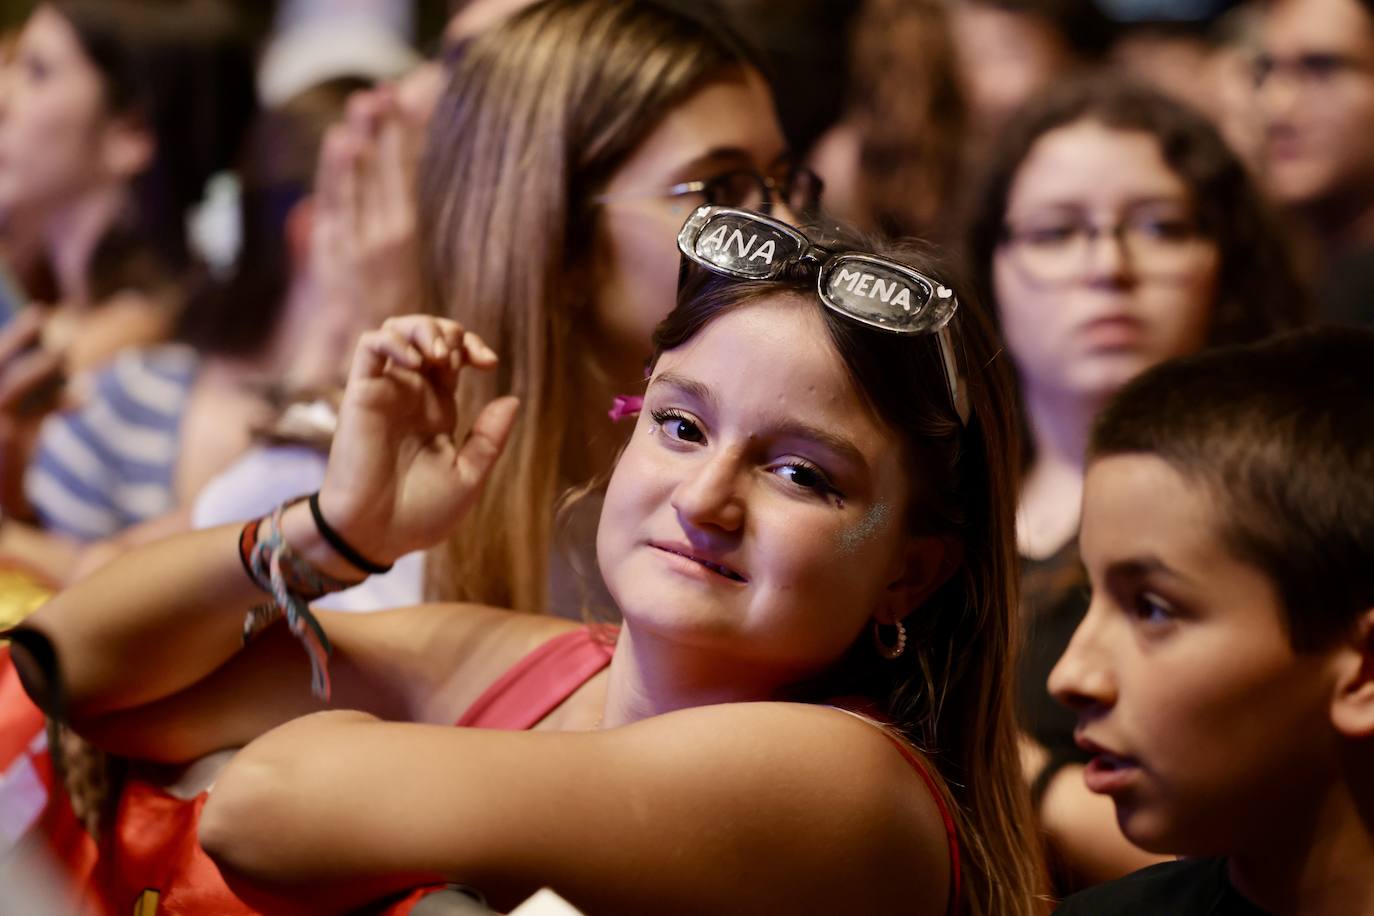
pixel 163 420
pixel 1114 230
pixel 115 115
pixel 634 113
pixel 829 533
pixel 1223 677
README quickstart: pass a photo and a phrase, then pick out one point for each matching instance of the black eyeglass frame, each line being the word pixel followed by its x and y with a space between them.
pixel 931 316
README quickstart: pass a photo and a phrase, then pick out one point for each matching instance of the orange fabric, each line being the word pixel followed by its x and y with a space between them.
pixel 153 847
pixel 153 855
pixel 24 759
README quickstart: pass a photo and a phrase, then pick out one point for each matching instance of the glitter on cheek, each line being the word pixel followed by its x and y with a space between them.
pixel 872 521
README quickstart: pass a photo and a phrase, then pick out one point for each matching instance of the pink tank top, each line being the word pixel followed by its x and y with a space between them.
pixel 544 678
pixel 539 682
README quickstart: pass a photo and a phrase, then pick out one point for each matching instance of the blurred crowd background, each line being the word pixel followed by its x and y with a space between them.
pixel 192 239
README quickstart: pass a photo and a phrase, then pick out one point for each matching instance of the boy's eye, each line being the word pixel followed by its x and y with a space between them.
pixel 679 426
pixel 1151 608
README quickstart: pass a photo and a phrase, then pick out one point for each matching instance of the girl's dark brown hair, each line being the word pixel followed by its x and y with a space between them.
pixel 1277 434
pixel 950 693
pixel 1258 287
pixel 907 106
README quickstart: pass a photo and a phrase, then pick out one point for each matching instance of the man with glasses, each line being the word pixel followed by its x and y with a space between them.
pixel 1315 82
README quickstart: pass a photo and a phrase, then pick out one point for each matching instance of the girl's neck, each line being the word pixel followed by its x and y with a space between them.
pixel 1051 493
pixel 1322 865
pixel 650 676
pixel 71 235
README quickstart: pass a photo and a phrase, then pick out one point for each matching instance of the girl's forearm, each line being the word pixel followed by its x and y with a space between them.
pixel 158 618
pixel 150 622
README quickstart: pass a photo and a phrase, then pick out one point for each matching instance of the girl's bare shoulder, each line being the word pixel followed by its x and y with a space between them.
pixel 447 655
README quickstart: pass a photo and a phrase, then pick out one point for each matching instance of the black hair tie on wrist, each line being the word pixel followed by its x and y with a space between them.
pixel 342 547
pixel 38 669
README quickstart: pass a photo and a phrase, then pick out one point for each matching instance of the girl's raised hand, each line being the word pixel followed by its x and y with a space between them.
pixel 399 475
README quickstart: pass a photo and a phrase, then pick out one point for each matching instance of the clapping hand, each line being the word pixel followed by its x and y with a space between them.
pixel 364 243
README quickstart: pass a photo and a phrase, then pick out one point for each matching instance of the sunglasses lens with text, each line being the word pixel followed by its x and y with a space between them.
pixel 743 247
pixel 884 295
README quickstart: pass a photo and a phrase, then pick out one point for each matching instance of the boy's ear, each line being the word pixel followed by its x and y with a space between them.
pixel 1352 707
pixel 924 565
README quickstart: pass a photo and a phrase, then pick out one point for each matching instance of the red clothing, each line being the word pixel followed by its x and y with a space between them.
pixel 151 863
pixel 31 806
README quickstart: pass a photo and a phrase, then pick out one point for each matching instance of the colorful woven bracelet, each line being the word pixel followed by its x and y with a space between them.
pixel 292 582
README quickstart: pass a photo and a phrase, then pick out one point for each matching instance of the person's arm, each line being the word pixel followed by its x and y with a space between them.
pixel 740 808
pixel 421 664
pixel 164 616
pixel 48 554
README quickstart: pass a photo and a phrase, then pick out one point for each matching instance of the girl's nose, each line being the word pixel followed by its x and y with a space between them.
pixel 1108 257
pixel 708 497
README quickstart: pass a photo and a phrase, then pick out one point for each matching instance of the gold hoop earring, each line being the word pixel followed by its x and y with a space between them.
pixel 895 650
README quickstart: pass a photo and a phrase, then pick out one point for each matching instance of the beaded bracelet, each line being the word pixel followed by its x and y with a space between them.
pixel 292 582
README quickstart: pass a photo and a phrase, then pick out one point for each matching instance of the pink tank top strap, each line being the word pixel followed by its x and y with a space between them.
pixel 865 709
pixel 951 832
pixel 534 686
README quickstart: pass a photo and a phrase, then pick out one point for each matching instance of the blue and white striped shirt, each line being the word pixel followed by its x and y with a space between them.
pixel 110 463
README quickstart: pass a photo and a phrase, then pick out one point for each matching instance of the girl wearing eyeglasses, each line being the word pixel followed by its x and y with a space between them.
pixel 1114 230
pixel 571 144
pixel 806 709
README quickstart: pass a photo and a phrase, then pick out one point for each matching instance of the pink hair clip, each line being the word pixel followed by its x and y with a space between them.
pixel 625 405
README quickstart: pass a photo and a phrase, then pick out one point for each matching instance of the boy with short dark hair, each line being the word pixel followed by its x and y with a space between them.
pixel 1224 674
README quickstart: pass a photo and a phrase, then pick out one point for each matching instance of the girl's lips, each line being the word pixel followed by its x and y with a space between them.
pixel 1107 773
pixel 1111 332
pixel 691 562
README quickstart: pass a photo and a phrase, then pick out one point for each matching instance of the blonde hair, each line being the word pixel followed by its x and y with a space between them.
pixel 538 114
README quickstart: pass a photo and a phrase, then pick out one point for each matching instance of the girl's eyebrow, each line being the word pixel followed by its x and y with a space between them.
pixel 721 158
pixel 840 446
pixel 688 386
pixel 789 428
